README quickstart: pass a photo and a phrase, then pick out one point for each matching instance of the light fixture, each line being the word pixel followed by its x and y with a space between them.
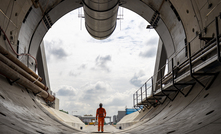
pixel 149 27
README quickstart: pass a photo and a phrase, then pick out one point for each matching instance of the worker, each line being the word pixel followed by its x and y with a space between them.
pixel 101 114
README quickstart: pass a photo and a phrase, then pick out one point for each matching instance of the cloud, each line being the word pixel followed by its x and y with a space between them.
pixel 96 91
pixel 54 50
pixel 87 100
pixel 66 91
pixel 137 79
pixel 118 101
pixel 98 87
pixel 71 73
pixel 152 41
pixel 59 53
pixel 121 37
pixel 101 62
pixel 83 66
pixel 149 53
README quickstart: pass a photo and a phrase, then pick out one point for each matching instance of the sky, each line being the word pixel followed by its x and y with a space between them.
pixel 84 71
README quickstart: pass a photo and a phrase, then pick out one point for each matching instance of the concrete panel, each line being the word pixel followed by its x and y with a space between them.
pixel 42 66
pixel 199 112
pixel 127 120
pixel 190 114
pixel 66 118
pixel 20 110
pixel 159 63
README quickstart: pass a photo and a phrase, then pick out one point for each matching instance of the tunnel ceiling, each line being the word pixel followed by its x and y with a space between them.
pixel 176 22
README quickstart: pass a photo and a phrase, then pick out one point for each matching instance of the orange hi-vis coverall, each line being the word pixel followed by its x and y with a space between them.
pixel 101 114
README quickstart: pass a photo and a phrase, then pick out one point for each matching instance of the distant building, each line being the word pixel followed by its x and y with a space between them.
pixel 90 119
pixel 120 115
pixel 87 119
pixel 115 119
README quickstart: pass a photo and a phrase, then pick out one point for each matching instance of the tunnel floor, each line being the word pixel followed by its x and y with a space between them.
pixel 107 129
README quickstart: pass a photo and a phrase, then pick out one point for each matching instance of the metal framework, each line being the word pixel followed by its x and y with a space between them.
pixel 146 97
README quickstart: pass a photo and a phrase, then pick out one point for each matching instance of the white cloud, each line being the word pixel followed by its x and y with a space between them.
pixel 139 78
pixel 72 73
pixel 66 91
pixel 54 50
pixel 148 53
pixel 101 63
pixel 87 99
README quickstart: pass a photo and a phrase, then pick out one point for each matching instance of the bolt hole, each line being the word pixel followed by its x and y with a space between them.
pixel 2 97
pixel 210 112
pixel 206 95
pixel 2 114
pixel 27 90
pixel 120 127
pixel 39 132
pixel 171 132
pixel 187 11
pixel 199 123
pixel 193 29
pixel 210 5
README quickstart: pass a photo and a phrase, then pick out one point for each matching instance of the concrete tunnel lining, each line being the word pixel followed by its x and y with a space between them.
pixel 178 116
pixel 33 30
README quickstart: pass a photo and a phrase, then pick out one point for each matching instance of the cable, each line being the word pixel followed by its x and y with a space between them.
pixel 16 52
pixel 10 15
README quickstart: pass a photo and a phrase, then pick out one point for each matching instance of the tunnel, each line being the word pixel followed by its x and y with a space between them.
pixel 186 99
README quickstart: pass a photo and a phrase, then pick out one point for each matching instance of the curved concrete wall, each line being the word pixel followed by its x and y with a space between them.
pixel 179 23
pixel 127 121
pixel 198 113
pixel 33 24
pixel 66 118
pixel 21 112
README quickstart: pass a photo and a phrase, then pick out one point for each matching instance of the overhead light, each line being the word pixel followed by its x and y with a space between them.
pixel 149 27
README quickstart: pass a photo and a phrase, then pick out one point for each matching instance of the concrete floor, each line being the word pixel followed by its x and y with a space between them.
pixel 107 129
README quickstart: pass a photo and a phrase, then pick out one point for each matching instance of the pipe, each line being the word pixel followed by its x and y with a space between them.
pixel 22 72
pixel 19 63
pixel 100 17
pixel 13 75
pixel 14 50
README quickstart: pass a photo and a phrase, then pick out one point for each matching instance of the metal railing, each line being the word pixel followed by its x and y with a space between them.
pixel 148 89
pixel 144 91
